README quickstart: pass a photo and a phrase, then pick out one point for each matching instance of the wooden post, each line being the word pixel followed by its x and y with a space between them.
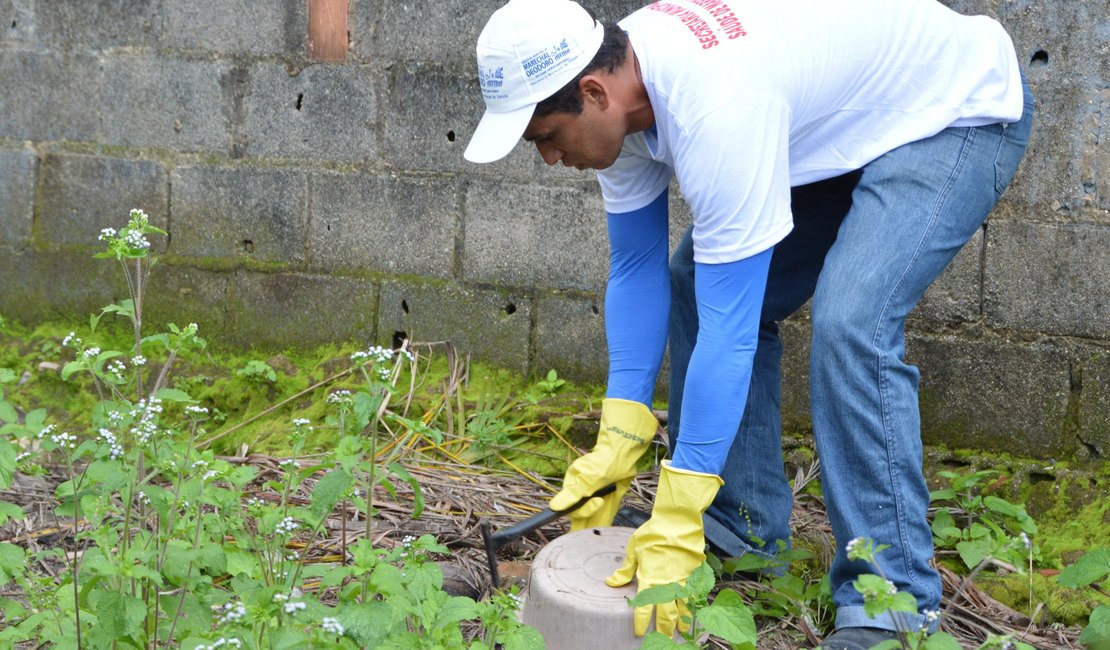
pixel 327 30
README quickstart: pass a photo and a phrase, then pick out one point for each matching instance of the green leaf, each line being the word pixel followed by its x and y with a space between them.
pixel 729 618
pixel 120 615
pixel 12 561
pixel 889 644
pixel 974 552
pixel 369 623
pixel 328 491
pixel 7 375
pixel 418 494
pixel 457 608
pixel 942 495
pixel 700 582
pixel 941 641
pixel 287 638
pixel 9 511
pixel 7 464
pixel 240 562
pixel 8 414
pixel 1096 635
pixel 658 595
pixel 1090 568
pixel 657 641
pixel 174 395
pixel 70 368
pixel 523 638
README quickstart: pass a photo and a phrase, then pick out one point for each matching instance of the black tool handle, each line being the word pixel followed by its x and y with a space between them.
pixel 494 541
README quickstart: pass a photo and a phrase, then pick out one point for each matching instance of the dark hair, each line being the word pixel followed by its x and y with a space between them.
pixel 611 55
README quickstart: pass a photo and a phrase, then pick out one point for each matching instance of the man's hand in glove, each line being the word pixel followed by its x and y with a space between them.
pixel 626 432
pixel 670 545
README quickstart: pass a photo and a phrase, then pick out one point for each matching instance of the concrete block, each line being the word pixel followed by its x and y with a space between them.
pixel 17 22
pixel 58 286
pixel 165 103
pixel 237 27
pixel 17 187
pixel 492 325
pixel 387 224
pixel 570 337
pixel 795 333
pixel 326 112
pixel 1061 165
pixel 272 310
pixel 540 237
pixel 975 7
pixel 57 96
pixel 81 195
pixel 1071 38
pixel 1092 366
pixel 244 213
pixel 428 117
pixel 954 297
pixel 398 30
pixel 993 395
pixel 1048 278
pixel 182 295
pixel 98 24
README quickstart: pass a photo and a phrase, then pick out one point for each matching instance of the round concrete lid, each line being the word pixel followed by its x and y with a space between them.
pixel 568 600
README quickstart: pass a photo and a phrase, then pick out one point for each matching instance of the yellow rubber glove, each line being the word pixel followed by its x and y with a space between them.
pixel 626 432
pixel 669 546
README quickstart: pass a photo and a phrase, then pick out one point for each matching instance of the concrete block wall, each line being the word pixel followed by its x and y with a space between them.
pixel 314 202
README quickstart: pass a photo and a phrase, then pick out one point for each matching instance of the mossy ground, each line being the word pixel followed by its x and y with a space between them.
pixel 527 424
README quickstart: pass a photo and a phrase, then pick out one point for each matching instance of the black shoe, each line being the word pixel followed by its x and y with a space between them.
pixel 857 638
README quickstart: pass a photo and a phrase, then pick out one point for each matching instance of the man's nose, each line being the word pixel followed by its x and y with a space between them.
pixel 549 152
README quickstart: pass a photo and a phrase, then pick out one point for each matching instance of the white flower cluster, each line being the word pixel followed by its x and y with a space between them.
pixel 931 616
pixel 233 613
pixel 65 440
pixel 286 526
pixel 116 368
pixel 221 643
pixel 376 353
pixel 280 597
pixel 332 625
pixel 855 547
pixel 22 457
pixel 143 499
pixel 115 450
pixel 136 239
pixel 48 430
pixel 290 463
pixel 107 234
pixel 115 417
pixel 147 425
pixel 91 353
pixel 340 397
pixel 302 423
pixel 196 411
pixel 293 606
pixel 138 360
pixel 254 502
pixel 71 338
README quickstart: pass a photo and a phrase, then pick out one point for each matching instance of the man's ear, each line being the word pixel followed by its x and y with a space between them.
pixel 594 90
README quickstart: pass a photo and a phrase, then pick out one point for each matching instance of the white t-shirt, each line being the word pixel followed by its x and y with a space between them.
pixel 752 97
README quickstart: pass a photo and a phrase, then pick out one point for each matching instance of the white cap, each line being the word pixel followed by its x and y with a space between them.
pixel 527 51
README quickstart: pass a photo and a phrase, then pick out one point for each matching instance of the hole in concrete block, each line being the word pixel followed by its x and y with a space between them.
pixel 594 310
pixel 13 24
pixel 510 309
pixel 450 136
pixel 300 99
pixel 1040 57
pixel 248 246
pixel 399 338
pixel 405 306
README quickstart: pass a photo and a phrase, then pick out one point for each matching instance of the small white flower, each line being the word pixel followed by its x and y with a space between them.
pixel 233 613
pixel 71 338
pixel 286 526
pixel 106 234
pixel 254 502
pixel 25 455
pixel 209 475
pixel 91 352
pixel 47 431
pixel 293 606
pixel 193 409
pixel 332 625
pixel 280 597
pixel 138 360
pixel 340 397
pixel 1026 541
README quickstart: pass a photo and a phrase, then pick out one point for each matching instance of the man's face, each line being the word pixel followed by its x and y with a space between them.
pixel 590 140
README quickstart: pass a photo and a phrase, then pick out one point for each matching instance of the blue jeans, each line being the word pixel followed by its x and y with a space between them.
pixel 865 247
